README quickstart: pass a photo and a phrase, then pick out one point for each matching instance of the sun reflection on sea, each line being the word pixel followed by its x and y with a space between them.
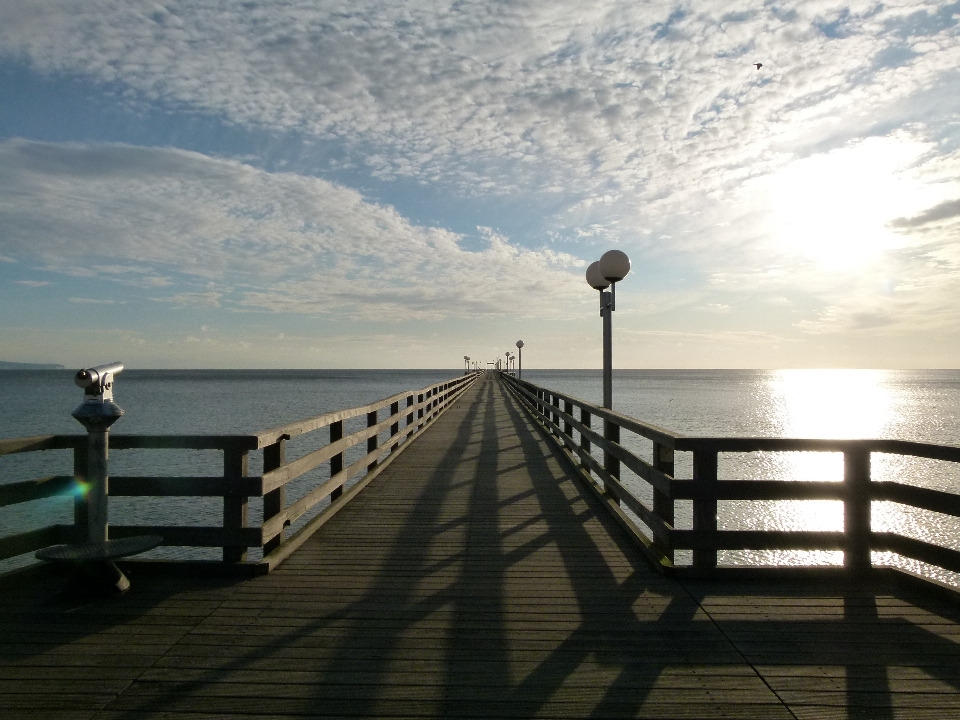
pixel 832 403
pixel 841 404
pixel 836 404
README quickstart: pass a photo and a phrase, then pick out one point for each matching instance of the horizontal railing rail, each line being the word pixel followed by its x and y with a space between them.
pixel 570 423
pixel 399 417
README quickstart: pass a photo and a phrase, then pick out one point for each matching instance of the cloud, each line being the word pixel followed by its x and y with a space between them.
pixel 91 301
pixel 827 180
pixel 621 99
pixel 229 235
pixel 198 299
pixel 33 283
pixel 942 211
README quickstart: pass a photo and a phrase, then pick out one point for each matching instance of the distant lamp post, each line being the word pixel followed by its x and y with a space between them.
pixel 612 267
pixel 466 364
pixel 520 361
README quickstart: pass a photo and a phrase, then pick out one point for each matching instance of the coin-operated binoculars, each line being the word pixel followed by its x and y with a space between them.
pixel 97 413
pixel 97 575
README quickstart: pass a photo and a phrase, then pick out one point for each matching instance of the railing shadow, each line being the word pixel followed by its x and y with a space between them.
pixel 857 639
pixel 69 657
pixel 517 595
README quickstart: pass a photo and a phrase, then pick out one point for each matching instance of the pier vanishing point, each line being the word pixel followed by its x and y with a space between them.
pixel 482 564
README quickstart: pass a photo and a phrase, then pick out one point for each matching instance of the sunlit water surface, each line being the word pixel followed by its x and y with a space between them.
pixel 910 405
pixel 846 404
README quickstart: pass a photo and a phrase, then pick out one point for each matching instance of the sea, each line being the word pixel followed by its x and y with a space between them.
pixel 920 405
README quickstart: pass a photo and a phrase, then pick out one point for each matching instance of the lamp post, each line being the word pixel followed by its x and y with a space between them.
pixel 520 363
pixel 612 267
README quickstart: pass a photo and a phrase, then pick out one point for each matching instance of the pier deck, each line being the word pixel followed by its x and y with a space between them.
pixel 475 577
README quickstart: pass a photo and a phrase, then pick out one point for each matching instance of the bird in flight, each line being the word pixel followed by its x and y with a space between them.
pixel 759 65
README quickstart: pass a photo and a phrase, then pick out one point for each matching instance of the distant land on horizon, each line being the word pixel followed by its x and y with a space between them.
pixel 29 366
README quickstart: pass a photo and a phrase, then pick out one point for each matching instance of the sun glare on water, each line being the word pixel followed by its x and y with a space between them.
pixel 844 404
pixel 832 404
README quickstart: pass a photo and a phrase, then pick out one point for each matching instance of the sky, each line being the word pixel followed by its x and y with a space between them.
pixel 387 184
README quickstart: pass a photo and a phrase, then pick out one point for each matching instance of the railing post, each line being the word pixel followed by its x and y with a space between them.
pixel 81 506
pixel 611 431
pixel 275 501
pixel 705 509
pixel 236 464
pixel 584 440
pixel 663 503
pixel 395 427
pixel 409 411
pixel 567 427
pixel 420 397
pixel 856 509
pixel 336 462
pixel 372 441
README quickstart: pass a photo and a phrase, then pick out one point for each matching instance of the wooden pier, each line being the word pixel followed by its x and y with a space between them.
pixel 476 576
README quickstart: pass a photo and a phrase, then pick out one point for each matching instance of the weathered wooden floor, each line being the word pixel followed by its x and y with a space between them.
pixel 474 579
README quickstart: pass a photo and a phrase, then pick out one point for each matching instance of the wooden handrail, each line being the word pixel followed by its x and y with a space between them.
pixel 857 491
pixel 409 413
pixel 40 442
pixel 268 437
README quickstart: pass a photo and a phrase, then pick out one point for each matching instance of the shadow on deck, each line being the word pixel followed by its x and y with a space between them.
pixel 475 578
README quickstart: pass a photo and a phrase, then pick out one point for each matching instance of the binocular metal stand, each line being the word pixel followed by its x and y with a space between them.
pixel 96 574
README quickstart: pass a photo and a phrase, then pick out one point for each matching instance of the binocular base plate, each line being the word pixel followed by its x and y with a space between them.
pixel 95 579
pixel 96 575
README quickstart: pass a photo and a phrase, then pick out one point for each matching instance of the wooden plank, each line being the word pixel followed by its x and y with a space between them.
pixel 193 535
pixel 759 490
pixel 856 510
pixel 769 444
pixel 31 540
pixel 935 500
pixel 181 442
pixel 651 432
pixel 268 437
pixel 37 443
pixel 757 540
pixel 917 549
pixel 236 466
pixel 283 475
pixel 916 449
pixel 206 486
pixel 294 469
pixel 27 490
